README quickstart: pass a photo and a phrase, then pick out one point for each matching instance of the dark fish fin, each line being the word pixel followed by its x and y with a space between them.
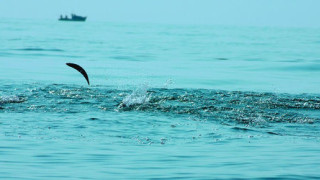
pixel 80 69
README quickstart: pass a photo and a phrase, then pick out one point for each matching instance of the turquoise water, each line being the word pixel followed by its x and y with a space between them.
pixel 165 101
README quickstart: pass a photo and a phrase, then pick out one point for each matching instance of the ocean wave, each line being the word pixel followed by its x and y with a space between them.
pixel 11 99
pixel 39 49
pixel 252 108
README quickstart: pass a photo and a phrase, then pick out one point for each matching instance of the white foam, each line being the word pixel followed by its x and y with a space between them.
pixel 9 99
pixel 138 96
pixel 260 121
pixel 168 83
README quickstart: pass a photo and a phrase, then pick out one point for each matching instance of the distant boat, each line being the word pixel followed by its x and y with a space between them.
pixel 73 18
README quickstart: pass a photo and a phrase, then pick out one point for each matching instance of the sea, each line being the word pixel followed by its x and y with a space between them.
pixel 165 101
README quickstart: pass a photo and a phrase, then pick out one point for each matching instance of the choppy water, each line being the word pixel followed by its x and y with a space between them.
pixel 166 101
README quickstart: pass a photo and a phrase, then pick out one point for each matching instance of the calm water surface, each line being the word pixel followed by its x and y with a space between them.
pixel 166 101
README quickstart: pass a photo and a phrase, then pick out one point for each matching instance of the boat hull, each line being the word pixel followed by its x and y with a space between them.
pixel 84 19
pixel 73 18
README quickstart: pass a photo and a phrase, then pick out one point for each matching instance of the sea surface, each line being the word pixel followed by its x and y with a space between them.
pixel 165 101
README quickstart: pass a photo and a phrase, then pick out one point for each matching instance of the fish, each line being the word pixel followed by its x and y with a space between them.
pixel 80 69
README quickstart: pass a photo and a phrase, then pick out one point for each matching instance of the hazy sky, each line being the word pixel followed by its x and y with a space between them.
pixel 226 12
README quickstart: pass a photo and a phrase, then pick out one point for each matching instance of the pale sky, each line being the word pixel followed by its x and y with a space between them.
pixel 298 13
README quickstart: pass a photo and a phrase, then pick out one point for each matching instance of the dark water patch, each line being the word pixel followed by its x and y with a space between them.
pixel 80 127
pixel 308 68
pixel 99 157
pixel 273 133
pixel 245 129
pixel 56 176
pixel 242 129
pixel 53 127
pixel 96 42
pixel 39 49
pixel 32 54
pixel 214 135
pixel 63 39
pixel 43 156
pixel 126 58
pixel 85 102
pixel 144 57
pixel 15 39
pixel 71 56
pixel 222 59
pixel 293 60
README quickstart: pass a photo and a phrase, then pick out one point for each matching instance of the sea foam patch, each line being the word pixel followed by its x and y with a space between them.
pixel 11 99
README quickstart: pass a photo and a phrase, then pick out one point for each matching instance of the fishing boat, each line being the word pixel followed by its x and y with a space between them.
pixel 73 18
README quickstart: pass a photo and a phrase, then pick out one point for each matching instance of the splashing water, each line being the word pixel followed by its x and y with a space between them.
pixel 138 96
pixel 10 99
